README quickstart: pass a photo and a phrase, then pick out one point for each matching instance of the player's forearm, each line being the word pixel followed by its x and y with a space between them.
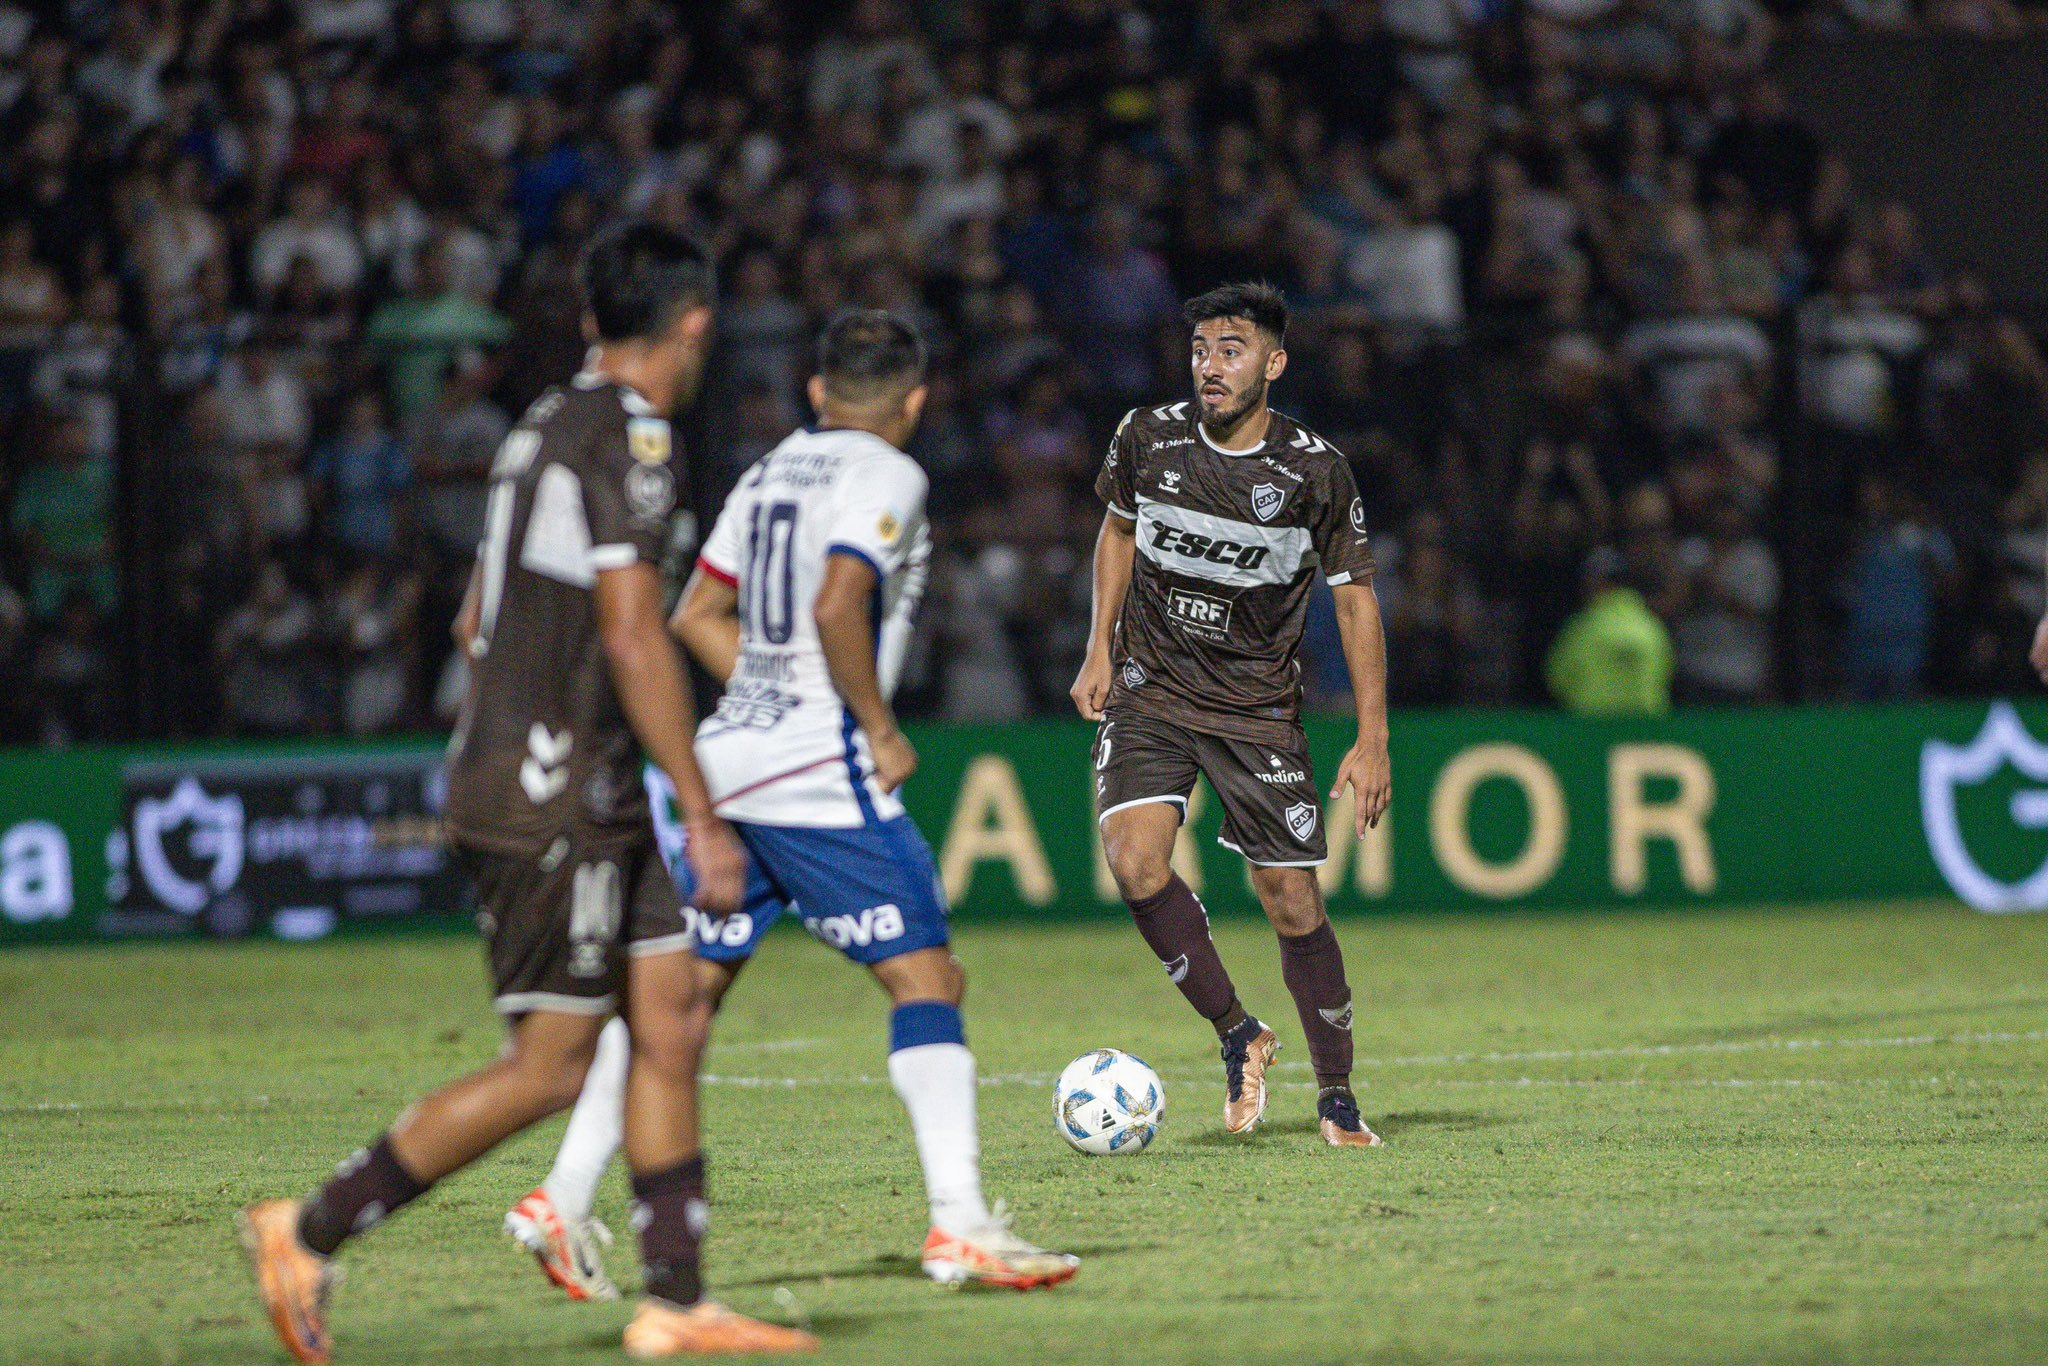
pixel 846 636
pixel 709 627
pixel 1365 652
pixel 469 621
pixel 654 691
pixel 1116 550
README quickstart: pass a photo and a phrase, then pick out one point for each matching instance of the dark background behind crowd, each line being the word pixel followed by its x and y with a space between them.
pixel 1646 405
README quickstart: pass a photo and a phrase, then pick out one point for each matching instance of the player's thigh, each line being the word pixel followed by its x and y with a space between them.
pixel 872 892
pixel 1272 813
pixel 1142 761
pixel 725 939
pixel 551 929
pixel 1145 770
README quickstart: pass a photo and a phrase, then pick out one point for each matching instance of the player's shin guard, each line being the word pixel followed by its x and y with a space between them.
pixel 670 1212
pixel 1175 924
pixel 1313 967
pixel 366 1190
pixel 934 1074
pixel 596 1127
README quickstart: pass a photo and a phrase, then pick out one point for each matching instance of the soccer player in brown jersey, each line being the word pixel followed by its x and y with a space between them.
pixel 572 664
pixel 1221 511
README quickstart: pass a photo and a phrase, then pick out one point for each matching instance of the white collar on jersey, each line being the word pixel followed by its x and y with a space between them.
pixel 1203 432
pixel 587 378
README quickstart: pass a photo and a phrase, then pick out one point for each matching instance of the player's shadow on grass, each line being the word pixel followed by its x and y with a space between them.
pixel 1387 1126
pixel 896 1265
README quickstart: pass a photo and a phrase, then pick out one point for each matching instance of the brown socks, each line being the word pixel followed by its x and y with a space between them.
pixel 1313 967
pixel 1175 925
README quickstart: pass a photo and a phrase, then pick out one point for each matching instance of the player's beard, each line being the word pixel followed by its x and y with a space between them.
pixel 1250 399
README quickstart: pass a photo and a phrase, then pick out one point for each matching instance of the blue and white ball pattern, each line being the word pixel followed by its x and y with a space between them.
pixel 1108 1103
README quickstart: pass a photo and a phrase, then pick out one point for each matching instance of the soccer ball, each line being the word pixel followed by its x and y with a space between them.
pixel 1108 1103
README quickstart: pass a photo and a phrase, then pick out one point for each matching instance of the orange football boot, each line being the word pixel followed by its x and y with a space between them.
pixel 293 1280
pixel 1245 1061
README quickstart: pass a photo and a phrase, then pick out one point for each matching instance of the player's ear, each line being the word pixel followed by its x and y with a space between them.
pixel 815 391
pixel 1276 364
pixel 913 404
pixel 695 325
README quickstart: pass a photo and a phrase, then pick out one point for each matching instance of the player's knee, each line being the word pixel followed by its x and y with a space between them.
pixel 673 1047
pixel 1293 901
pixel 1140 870
pixel 553 1076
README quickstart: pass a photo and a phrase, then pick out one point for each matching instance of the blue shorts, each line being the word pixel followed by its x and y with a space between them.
pixel 872 892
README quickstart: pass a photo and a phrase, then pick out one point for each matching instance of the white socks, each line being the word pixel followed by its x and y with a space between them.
pixel 597 1127
pixel 936 1082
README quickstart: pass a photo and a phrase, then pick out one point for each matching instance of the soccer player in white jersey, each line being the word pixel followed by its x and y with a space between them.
pixel 802 604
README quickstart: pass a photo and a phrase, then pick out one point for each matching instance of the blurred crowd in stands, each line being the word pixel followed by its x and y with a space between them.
pixel 277 275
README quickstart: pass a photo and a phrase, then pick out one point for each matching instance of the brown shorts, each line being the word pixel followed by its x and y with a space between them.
pixel 1270 810
pixel 558 928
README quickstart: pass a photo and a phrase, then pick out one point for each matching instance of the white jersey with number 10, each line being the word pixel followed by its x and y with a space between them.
pixel 781 749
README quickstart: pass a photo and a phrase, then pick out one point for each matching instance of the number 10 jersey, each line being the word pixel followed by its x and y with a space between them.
pixel 781 749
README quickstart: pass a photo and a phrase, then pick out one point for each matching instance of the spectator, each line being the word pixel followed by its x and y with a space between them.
pixel 312 230
pixel 428 332
pixel 361 474
pixel 1548 265
pixel 265 402
pixel 32 304
pixel 71 676
pixel 1899 569
pixel 1727 600
pixel 1614 657
pixel 62 519
pixel 1119 301
pixel 265 652
pixel 373 621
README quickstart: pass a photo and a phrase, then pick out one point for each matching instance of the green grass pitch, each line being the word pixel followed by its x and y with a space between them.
pixel 1782 1134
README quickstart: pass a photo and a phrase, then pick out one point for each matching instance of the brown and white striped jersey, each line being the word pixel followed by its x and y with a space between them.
pixel 584 483
pixel 1227 543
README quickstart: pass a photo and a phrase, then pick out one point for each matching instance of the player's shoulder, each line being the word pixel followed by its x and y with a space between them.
pixel 1158 421
pixel 1293 438
pixel 865 456
pixel 604 411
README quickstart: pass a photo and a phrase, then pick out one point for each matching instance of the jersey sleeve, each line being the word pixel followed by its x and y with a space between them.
pixel 1341 542
pixel 876 513
pixel 724 548
pixel 629 492
pixel 1117 484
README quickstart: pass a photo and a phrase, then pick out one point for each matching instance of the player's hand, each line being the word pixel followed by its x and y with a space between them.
pixel 895 760
pixel 1369 773
pixel 1091 688
pixel 2038 656
pixel 718 864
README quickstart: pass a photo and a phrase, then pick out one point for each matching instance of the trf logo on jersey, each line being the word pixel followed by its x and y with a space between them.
pixel 1199 612
pixel 1358 515
pixel 1301 819
pixel 1266 500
